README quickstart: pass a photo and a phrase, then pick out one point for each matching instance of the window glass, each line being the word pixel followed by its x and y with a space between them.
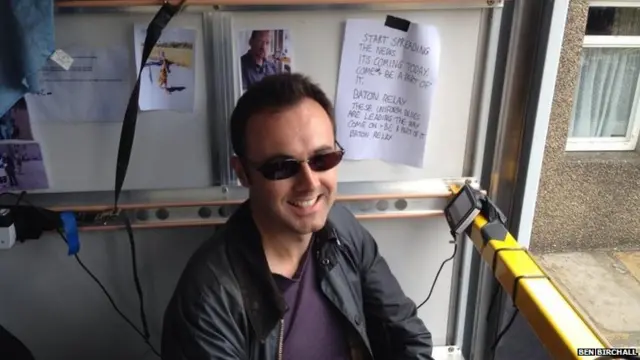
pixel 607 92
pixel 614 21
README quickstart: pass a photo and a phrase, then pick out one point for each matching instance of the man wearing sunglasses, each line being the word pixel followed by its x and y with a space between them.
pixel 290 275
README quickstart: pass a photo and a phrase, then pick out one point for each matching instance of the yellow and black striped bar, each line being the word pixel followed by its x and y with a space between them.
pixel 558 325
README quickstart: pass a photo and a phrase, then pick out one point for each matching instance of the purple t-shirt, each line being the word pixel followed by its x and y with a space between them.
pixel 313 329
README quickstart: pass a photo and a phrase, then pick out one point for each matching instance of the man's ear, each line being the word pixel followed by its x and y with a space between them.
pixel 236 163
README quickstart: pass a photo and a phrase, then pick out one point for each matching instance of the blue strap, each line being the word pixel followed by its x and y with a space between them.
pixel 71 231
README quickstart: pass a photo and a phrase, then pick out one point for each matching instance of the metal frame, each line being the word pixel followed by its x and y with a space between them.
pixel 476 135
pixel 220 78
pixel 370 6
pixel 461 317
pixel 141 9
pixel 283 5
pixel 494 85
pixel 543 113
pixel 226 69
pixel 521 57
pixel 211 37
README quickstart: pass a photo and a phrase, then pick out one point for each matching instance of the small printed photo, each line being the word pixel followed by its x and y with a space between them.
pixel 262 53
pixel 21 167
pixel 15 123
pixel 168 79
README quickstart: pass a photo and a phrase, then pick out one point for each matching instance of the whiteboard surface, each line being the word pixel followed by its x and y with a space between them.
pixel 316 39
pixel 171 149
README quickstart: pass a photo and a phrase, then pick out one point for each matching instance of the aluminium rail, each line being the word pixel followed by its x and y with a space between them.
pixel 207 207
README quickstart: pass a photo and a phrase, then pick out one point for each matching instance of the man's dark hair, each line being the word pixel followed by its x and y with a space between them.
pixel 255 33
pixel 272 94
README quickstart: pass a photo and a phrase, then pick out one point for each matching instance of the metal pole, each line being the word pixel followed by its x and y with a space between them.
pixel 475 326
pixel 522 48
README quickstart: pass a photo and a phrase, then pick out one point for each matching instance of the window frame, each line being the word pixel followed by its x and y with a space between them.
pixel 629 142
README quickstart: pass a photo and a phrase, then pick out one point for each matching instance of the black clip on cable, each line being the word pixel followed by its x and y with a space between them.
pixel 489 209
pixel 496 227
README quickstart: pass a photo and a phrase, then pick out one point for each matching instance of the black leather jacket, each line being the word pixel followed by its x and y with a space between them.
pixel 227 306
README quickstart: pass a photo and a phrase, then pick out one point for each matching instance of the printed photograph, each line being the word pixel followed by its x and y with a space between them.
pixel 168 77
pixel 21 167
pixel 263 53
pixel 15 123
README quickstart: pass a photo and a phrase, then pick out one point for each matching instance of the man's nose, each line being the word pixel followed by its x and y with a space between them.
pixel 307 179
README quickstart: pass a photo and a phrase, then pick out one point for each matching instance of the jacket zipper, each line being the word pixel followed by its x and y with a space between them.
pixel 281 339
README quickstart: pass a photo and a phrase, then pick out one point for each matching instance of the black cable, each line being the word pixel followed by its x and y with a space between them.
pixel 504 331
pixel 494 297
pixel 136 279
pixel 106 293
pixel 20 197
pixel 145 336
pixel 433 285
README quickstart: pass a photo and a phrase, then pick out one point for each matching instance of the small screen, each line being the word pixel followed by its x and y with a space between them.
pixel 460 208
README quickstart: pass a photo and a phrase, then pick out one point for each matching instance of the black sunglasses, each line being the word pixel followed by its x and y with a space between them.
pixel 280 169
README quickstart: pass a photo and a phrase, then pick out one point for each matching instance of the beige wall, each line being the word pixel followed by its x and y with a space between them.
pixel 586 200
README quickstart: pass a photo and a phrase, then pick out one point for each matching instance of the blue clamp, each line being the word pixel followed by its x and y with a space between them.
pixel 71 231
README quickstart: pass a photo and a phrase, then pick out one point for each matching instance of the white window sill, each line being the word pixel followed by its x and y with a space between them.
pixel 598 144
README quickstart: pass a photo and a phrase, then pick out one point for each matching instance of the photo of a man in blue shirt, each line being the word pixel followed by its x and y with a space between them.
pixel 267 55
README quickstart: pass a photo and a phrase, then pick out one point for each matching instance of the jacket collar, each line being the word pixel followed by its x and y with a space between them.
pixel 262 299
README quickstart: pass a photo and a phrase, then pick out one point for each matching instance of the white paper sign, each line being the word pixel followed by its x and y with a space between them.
pixel 385 88
pixel 168 78
pixel 95 88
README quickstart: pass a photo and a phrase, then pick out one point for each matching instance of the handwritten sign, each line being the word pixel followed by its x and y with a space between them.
pixel 385 87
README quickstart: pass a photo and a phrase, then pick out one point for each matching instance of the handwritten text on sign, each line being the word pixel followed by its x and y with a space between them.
pixel 385 88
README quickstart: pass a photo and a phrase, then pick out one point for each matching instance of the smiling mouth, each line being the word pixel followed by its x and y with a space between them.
pixel 303 204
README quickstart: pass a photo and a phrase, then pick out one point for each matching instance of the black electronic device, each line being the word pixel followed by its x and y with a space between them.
pixel 462 209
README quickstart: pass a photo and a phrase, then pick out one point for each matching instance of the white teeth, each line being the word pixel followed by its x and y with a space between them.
pixel 303 204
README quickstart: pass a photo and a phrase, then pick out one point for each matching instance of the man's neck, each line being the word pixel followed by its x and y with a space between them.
pixel 283 250
pixel 284 253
